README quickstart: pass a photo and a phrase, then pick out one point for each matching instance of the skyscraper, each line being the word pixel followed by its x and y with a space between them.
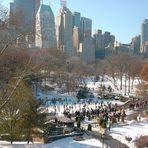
pixel 76 38
pixel 25 12
pixel 88 50
pixel 77 19
pixel 45 28
pixel 86 28
pixel 87 47
pixel 144 32
pixel 145 49
pixel 135 45
pixel 64 31
pixel 144 37
pixel 98 39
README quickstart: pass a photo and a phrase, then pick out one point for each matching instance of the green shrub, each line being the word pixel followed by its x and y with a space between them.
pixel 103 125
pixel 78 124
pixel 100 120
pixel 89 128
pixel 76 119
pixel 135 118
pixel 84 92
pixel 109 89
pixel 113 119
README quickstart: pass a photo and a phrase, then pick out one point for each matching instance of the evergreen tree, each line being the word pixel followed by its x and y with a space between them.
pixel 21 113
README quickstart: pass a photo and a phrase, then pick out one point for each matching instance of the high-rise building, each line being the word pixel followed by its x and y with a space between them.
pixel 86 43
pixel 24 12
pixel 22 20
pixel 144 37
pixel 88 50
pixel 45 36
pixel 145 49
pixel 76 30
pixel 64 31
pixel 112 39
pixel 103 43
pixel 86 28
pixel 144 33
pixel 98 39
pixel 77 19
pixel 76 38
pixel 135 44
pixel 107 39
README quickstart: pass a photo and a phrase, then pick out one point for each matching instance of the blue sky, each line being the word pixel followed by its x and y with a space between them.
pixel 122 18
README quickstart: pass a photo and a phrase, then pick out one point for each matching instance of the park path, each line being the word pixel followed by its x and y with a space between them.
pixel 111 142
pixel 108 141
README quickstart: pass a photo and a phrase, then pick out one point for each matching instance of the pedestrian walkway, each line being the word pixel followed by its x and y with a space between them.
pixel 108 141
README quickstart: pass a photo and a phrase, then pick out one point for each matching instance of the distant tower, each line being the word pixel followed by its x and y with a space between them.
pixel 76 38
pixel 25 11
pixel 144 32
pixel 86 47
pixel 77 19
pixel 64 31
pixel 86 28
pixel 144 37
pixel 22 19
pixel 135 44
pixel 45 28
pixel 63 3
pixel 76 30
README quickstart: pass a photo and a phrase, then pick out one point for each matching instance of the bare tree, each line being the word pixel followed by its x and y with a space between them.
pixel 111 69
pixel 143 86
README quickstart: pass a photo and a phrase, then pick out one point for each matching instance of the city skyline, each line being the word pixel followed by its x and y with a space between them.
pixel 121 18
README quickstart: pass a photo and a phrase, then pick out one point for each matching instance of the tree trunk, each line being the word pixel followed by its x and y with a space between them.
pixel 125 86
pixel 29 134
pixel 121 82
pixel 129 83
pixel 132 85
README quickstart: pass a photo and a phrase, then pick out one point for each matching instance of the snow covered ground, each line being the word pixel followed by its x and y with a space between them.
pixel 56 100
pixel 133 129
pixel 65 98
pixel 108 81
pixel 63 143
pixel 78 106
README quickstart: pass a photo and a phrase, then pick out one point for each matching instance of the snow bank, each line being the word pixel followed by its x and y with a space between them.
pixel 133 129
pixel 62 143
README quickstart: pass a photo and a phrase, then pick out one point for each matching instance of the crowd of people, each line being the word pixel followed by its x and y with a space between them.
pixel 107 113
pixel 104 113
pixel 138 104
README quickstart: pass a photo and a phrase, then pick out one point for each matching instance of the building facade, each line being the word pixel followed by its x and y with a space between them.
pixel 144 36
pixel 25 12
pixel 45 36
pixel 64 31
pixel 86 48
pixel 135 44
pixel 86 28
pixel 103 43
pixel 76 38
pixel 77 19
pixel 144 31
pixel 22 20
